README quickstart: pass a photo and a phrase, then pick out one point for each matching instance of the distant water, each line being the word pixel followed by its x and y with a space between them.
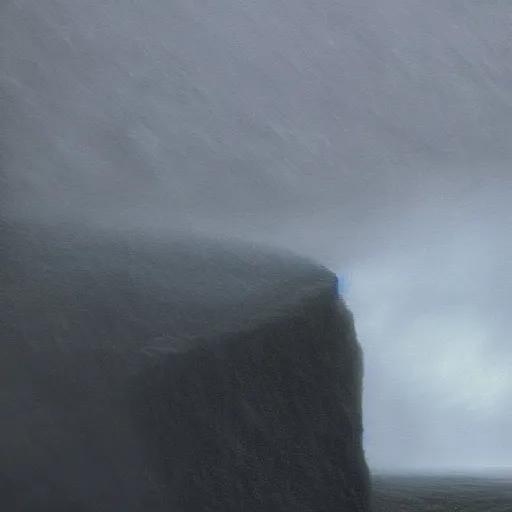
pixel 483 491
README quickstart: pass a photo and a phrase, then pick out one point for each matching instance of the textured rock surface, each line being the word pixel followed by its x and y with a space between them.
pixel 138 374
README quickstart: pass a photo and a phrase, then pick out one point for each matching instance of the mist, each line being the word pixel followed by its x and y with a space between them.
pixel 371 136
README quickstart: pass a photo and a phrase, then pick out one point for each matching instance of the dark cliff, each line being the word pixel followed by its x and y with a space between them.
pixel 188 375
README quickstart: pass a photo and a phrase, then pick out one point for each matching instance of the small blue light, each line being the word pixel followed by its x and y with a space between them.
pixel 342 285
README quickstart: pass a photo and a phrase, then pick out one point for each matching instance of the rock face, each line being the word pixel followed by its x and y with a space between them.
pixel 181 375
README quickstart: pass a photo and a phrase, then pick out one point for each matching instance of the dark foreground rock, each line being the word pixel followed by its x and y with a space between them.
pixel 143 375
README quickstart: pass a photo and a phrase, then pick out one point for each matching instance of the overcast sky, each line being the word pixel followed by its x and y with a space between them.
pixel 373 136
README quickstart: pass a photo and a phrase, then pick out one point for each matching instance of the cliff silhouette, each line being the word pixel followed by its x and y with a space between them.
pixel 142 373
